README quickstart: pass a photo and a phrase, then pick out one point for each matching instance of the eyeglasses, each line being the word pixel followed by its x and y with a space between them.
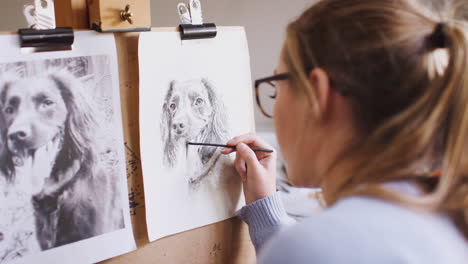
pixel 265 92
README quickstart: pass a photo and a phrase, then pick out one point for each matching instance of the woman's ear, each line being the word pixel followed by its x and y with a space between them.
pixel 321 84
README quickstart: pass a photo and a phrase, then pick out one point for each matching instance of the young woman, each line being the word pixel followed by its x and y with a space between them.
pixel 371 106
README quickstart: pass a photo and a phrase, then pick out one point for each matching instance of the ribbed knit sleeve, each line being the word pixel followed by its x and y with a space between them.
pixel 265 217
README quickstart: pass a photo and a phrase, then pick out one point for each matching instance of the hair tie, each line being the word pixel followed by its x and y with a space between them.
pixel 438 38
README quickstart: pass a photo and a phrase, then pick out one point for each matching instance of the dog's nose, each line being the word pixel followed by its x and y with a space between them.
pixel 178 127
pixel 18 135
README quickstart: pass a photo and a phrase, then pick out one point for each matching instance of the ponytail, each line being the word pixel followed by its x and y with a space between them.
pixel 453 184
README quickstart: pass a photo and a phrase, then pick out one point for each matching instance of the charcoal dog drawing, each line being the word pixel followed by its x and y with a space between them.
pixel 192 112
pixel 52 127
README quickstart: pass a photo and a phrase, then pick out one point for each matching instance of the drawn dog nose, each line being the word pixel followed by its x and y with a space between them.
pixel 20 135
pixel 178 127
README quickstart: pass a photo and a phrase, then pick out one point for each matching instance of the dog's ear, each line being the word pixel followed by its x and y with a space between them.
pixel 216 130
pixel 218 127
pixel 81 124
pixel 165 126
pixel 6 163
pixel 165 114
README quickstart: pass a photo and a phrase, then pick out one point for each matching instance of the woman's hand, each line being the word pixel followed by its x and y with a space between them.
pixel 256 169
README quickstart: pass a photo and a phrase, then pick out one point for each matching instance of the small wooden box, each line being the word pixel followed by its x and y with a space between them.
pixel 105 15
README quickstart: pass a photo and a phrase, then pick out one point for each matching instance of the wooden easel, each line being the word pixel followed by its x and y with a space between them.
pixel 225 242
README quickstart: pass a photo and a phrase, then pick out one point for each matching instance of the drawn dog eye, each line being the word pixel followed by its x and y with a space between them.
pixel 199 101
pixel 173 107
pixel 9 110
pixel 47 102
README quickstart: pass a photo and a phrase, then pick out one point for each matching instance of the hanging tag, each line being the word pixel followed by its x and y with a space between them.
pixel 184 13
pixel 45 14
pixel 196 12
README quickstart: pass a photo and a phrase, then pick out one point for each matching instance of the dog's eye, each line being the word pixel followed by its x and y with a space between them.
pixel 9 110
pixel 199 101
pixel 173 106
pixel 48 102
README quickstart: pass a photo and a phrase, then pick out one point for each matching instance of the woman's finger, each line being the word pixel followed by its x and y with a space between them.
pixel 248 155
pixel 241 168
pixel 249 139
pixel 227 151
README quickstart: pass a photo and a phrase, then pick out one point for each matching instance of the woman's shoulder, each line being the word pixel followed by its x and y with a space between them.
pixel 366 230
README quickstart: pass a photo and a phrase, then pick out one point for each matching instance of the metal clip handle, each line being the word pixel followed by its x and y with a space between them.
pixel 40 15
pixel 196 12
pixel 184 13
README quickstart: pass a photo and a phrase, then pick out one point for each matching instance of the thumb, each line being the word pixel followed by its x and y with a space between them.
pixel 248 155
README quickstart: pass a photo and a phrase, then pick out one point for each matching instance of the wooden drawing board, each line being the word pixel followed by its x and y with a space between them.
pixel 224 242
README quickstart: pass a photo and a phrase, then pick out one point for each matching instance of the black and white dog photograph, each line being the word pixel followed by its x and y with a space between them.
pixel 192 112
pixel 58 159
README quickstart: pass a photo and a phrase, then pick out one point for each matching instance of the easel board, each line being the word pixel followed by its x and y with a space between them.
pixel 223 242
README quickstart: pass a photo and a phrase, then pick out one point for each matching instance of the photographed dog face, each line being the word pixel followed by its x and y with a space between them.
pixel 192 112
pixel 34 113
pixel 52 132
pixel 39 109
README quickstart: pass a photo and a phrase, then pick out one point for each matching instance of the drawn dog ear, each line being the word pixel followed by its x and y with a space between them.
pixel 218 127
pixel 165 114
pixel 165 126
pixel 81 124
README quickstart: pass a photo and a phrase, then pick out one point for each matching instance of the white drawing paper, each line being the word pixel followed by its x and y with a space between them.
pixel 63 189
pixel 196 91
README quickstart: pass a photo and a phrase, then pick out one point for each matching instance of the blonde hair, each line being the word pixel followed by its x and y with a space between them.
pixel 404 68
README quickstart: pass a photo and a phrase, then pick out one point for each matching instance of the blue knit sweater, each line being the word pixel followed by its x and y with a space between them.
pixel 354 230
